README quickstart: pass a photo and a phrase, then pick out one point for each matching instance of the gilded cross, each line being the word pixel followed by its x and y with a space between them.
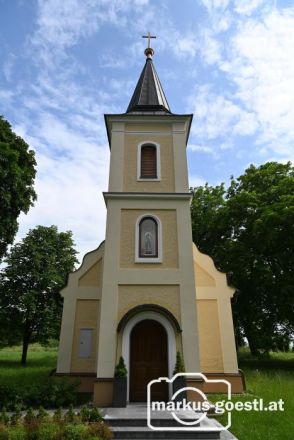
pixel 148 36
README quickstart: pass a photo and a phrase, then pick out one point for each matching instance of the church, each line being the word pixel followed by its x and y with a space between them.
pixel 147 292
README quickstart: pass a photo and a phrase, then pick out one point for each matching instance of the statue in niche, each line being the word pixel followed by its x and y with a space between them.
pixel 148 243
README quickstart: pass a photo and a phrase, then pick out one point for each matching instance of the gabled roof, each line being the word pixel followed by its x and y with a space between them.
pixel 148 95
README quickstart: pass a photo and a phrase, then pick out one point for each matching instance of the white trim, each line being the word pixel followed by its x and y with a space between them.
pixel 171 342
pixel 139 259
pixel 158 168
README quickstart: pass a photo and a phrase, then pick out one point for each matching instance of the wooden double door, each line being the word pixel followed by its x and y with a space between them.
pixel 148 360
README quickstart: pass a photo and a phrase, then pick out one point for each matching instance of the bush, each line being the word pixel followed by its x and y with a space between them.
pixel 50 431
pixel 4 417
pixel 94 415
pixel 3 432
pixel 42 414
pixel 179 367
pixel 55 392
pixel 85 414
pixel 57 416
pixel 17 433
pixel 121 369
pixel 75 432
pixel 100 430
pixel 32 429
pixel 16 417
pixel 70 416
pixel 29 417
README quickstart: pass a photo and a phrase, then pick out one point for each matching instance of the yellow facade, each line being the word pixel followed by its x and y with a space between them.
pixel 167 182
pixel 168 218
pixel 167 296
pixel 183 284
pixel 211 360
pixel 86 316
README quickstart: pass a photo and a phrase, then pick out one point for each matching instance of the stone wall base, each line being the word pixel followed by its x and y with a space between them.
pixel 102 389
pixel 86 380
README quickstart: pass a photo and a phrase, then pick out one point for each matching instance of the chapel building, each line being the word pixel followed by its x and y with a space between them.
pixel 147 292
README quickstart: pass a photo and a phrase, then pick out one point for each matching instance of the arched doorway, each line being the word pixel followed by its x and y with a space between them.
pixel 148 360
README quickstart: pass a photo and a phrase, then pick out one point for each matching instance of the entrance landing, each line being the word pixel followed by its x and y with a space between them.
pixel 131 423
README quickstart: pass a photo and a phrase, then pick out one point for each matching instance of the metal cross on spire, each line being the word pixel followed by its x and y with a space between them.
pixel 149 36
pixel 149 51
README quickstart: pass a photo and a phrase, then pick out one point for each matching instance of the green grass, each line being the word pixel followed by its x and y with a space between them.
pixel 270 379
pixel 33 385
pixel 41 361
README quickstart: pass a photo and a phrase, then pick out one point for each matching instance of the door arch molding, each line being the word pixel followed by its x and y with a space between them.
pixel 171 341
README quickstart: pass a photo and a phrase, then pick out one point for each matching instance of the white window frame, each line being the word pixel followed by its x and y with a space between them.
pixel 158 168
pixel 157 259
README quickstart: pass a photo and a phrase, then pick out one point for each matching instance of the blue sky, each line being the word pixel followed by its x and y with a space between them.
pixel 66 63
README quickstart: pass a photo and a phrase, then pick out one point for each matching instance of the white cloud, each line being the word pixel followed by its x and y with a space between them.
pixel 219 116
pixel 258 66
pixel 246 7
pixel 196 181
pixel 210 47
pixel 213 5
pixel 201 148
pixel 186 46
pixel 262 67
pixel 69 185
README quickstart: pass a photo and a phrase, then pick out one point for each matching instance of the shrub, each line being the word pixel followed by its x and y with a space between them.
pixel 29 417
pixel 3 432
pixel 70 416
pixel 17 433
pixel 94 415
pixel 179 367
pixel 75 432
pixel 4 418
pixel 50 431
pixel 32 429
pixel 42 415
pixel 54 392
pixel 57 416
pixel 85 414
pixel 16 416
pixel 100 430
pixel 121 369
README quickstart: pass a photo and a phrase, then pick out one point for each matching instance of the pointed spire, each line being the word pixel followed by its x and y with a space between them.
pixel 148 95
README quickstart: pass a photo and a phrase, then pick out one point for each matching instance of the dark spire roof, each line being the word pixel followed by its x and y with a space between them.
pixel 148 95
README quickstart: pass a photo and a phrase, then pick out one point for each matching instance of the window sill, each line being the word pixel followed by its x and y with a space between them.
pixel 148 260
pixel 147 179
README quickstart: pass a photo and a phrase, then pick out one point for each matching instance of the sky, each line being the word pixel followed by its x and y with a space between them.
pixel 64 63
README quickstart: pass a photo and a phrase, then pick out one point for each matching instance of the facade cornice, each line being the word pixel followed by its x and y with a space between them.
pixel 145 196
pixel 143 117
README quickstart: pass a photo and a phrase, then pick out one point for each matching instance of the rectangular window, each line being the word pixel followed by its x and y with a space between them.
pixel 85 349
pixel 148 162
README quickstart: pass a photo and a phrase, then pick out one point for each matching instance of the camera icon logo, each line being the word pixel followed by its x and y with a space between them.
pixel 181 413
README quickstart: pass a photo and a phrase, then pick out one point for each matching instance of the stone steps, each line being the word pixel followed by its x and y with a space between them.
pixel 131 423
pixel 140 432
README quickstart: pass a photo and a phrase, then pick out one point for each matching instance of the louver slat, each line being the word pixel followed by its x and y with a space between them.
pixel 148 162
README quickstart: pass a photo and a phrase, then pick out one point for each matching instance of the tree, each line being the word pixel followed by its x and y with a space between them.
pixel 17 173
pixel 248 230
pixel 36 270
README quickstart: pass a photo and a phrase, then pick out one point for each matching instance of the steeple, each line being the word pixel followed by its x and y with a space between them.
pixel 148 95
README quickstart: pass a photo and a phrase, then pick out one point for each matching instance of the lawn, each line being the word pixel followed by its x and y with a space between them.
pixel 41 361
pixel 271 379
pixel 32 385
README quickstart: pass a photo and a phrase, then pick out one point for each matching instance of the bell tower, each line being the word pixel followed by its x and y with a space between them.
pixel 148 256
pixel 147 292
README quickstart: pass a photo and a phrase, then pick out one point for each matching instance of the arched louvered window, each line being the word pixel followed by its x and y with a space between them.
pixel 148 238
pixel 148 164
